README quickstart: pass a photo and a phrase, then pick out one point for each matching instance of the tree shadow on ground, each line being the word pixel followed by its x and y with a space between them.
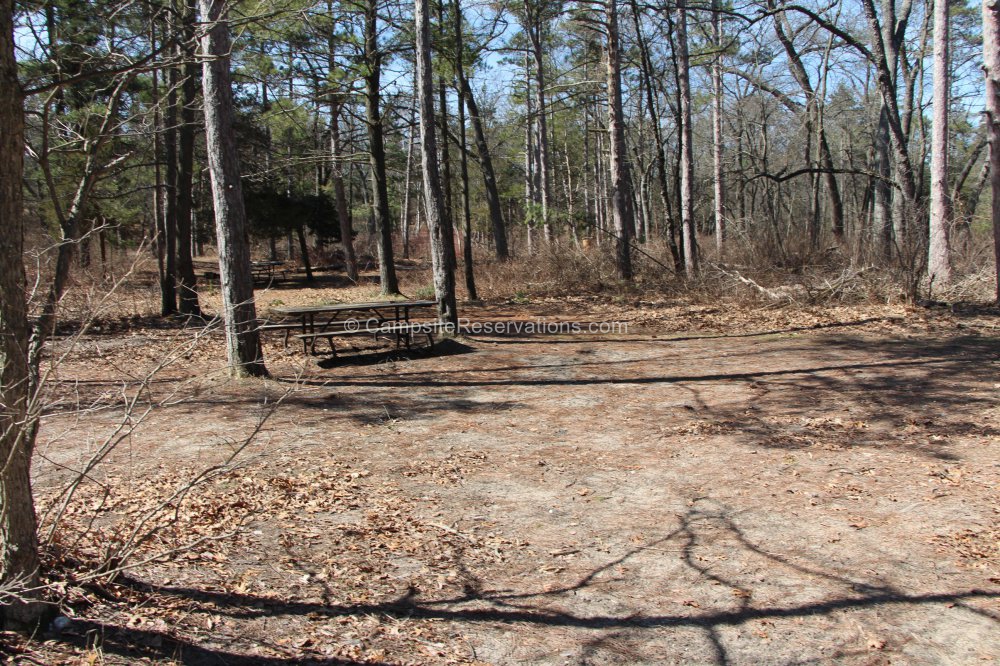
pixel 366 357
pixel 705 528
pixel 937 386
pixel 515 337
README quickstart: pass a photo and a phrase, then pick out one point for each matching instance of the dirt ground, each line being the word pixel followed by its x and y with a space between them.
pixel 717 485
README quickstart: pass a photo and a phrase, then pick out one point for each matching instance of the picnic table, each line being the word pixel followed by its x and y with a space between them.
pixel 387 318
pixel 265 270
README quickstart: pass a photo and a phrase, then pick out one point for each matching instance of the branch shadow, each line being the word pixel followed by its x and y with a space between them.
pixel 625 632
pixel 440 349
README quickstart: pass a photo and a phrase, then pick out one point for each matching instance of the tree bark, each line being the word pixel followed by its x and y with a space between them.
pixel 621 191
pixel 404 220
pixel 489 175
pixel 185 167
pixel 19 561
pixel 991 61
pixel 718 182
pixel 646 70
pixel 535 29
pixel 246 357
pixel 340 195
pixel 687 150
pixel 441 234
pixel 938 249
pixel 470 275
pixel 168 305
pixel 814 119
pixel 376 152
pixel 884 56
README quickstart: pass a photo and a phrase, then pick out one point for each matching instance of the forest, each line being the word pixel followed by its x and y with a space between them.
pixel 765 234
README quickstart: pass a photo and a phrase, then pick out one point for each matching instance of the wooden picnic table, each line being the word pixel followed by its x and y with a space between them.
pixel 265 270
pixel 340 319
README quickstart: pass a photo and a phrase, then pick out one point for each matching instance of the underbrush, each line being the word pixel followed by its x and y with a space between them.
pixel 750 271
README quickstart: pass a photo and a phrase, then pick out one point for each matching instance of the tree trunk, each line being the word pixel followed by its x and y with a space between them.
pixel 885 60
pixel 404 220
pixel 646 70
pixel 489 175
pixel 530 192
pixel 185 168
pixel 300 232
pixel 687 150
pixel 19 561
pixel 169 286
pixel 340 195
pixel 440 229
pixel 159 233
pixel 470 275
pixel 444 146
pixel 535 30
pixel 246 357
pixel 882 226
pixel 814 120
pixel 376 152
pixel 621 191
pixel 719 187
pixel 938 249
pixel 991 62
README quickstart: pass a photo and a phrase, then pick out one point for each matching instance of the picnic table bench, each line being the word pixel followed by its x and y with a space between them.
pixel 377 318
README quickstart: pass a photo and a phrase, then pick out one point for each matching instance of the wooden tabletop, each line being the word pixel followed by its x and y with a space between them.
pixel 347 307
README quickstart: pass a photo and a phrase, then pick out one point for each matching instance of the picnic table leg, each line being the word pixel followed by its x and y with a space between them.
pixel 307 327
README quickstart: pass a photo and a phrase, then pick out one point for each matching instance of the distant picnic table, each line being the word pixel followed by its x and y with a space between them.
pixel 266 270
pixel 376 318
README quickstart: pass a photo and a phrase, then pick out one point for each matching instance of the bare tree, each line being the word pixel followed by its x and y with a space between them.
pixel 646 71
pixel 482 147
pixel 991 62
pixel 718 181
pixel 621 191
pixel 470 274
pixel 18 537
pixel 938 250
pixel 185 166
pixel 376 151
pixel 246 357
pixel 441 232
pixel 535 24
pixel 688 230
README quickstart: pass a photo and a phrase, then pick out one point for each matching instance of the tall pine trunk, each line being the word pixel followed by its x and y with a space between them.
pixel 718 182
pixel 340 195
pixel 991 66
pixel 535 28
pixel 938 249
pixel 185 167
pixel 18 535
pixel 168 288
pixel 622 211
pixel 646 71
pixel 376 153
pixel 688 230
pixel 246 357
pixel 486 166
pixel 441 234
pixel 470 275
